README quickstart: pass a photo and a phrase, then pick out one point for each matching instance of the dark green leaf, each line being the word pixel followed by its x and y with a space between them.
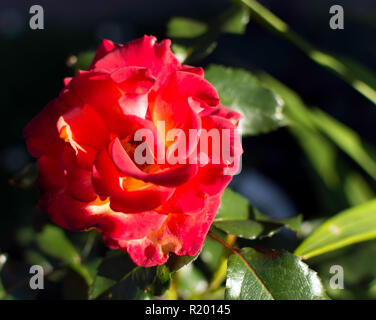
pixel 3 260
pixel 237 20
pixel 194 40
pixel 319 150
pixel 356 75
pixel 233 217
pixel 15 278
pixel 119 278
pixel 241 91
pixel 111 270
pixel 293 223
pixel 346 139
pixel 278 275
pixel 84 60
pixel 248 229
pixel 176 262
pixel 75 285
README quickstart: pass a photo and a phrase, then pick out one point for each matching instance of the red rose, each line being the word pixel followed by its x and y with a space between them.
pixel 89 139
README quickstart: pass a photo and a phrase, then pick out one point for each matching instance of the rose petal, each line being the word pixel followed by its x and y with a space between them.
pixel 171 177
pixel 144 52
pixel 107 182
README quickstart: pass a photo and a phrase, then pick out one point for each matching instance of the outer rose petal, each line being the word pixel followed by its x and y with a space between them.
pixel 222 111
pixel 41 134
pixel 182 234
pixel 96 89
pixel 105 47
pixel 75 215
pixel 51 174
pixel 143 52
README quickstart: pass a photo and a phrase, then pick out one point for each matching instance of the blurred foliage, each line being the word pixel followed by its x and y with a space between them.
pixel 239 90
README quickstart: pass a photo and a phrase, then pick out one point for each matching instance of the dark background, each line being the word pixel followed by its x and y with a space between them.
pixel 276 174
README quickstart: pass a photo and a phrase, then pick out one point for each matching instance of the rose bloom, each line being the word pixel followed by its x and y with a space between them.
pixel 84 142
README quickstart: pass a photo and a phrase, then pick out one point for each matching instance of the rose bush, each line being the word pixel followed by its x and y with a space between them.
pixel 85 144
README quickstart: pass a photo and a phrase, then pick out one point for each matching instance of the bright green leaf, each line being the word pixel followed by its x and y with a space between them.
pixel 53 242
pixel 233 207
pixel 241 91
pixel 275 275
pixel 181 27
pixel 350 226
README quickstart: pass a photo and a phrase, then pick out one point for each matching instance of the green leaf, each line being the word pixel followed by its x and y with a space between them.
pixel 212 253
pixel 119 278
pixel 181 52
pixel 233 217
pixel 293 223
pixel 84 60
pixel 3 260
pixel 356 75
pixel 314 132
pixel 175 262
pixel 347 139
pixel 356 188
pixel 194 40
pixel 53 241
pixel 248 229
pixel 350 226
pixel 274 275
pixel 233 206
pixel 75 283
pixel 181 27
pixel 235 20
pixel 319 150
pixel 14 279
pixel 190 281
pixel 241 91
pixel 111 270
